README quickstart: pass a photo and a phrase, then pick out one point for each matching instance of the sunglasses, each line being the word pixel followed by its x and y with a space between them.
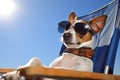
pixel 80 27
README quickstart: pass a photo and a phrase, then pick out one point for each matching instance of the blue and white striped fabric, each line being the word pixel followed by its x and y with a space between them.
pixel 106 41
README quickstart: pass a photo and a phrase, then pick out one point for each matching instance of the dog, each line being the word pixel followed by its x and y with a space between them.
pixel 78 39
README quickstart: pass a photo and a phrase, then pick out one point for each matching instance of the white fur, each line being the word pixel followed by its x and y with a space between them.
pixel 87 44
pixel 71 61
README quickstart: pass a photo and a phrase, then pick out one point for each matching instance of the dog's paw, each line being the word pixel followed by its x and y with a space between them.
pixel 32 62
pixel 11 76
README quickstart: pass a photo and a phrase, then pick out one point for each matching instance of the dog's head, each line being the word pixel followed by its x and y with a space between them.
pixel 80 32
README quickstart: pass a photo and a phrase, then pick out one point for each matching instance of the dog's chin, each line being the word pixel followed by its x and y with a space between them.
pixel 72 45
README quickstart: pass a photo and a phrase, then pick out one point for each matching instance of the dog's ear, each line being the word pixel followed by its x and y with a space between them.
pixel 72 17
pixel 98 23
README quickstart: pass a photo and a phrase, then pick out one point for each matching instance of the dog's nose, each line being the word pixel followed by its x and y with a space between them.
pixel 67 36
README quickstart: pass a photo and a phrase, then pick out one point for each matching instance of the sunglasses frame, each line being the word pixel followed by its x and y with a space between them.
pixel 64 24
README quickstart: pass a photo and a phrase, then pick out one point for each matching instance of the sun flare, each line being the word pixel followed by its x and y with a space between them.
pixel 6 7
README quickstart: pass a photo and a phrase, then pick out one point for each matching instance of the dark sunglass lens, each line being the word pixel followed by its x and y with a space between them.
pixel 81 28
pixel 63 25
pixel 67 26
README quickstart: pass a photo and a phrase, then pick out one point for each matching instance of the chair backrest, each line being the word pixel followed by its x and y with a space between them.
pixel 106 42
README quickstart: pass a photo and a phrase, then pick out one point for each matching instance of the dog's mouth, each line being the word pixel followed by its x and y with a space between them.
pixel 72 45
pixel 69 43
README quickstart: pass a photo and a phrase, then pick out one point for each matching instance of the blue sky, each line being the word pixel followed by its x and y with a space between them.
pixel 31 30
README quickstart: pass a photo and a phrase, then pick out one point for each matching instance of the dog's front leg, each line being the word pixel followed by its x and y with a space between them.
pixel 15 75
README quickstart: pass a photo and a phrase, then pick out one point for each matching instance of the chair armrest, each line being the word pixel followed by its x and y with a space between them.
pixel 5 70
pixel 65 74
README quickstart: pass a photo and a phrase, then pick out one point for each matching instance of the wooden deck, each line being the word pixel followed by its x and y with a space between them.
pixel 65 74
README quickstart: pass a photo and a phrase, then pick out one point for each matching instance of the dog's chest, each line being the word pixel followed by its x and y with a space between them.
pixel 71 61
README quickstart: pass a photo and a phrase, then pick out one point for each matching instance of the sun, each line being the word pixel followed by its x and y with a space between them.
pixel 6 7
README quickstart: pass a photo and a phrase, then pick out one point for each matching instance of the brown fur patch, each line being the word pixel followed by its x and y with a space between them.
pixel 84 38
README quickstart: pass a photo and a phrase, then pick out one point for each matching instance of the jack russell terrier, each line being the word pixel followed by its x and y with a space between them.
pixel 78 39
